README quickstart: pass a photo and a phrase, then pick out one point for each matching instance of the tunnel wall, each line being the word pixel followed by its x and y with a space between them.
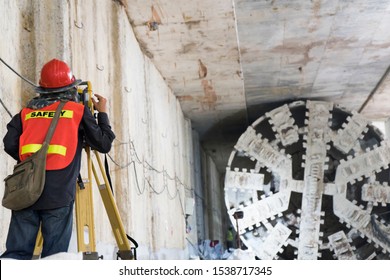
pixel 151 161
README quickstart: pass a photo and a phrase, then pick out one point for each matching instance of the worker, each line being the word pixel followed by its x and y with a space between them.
pixel 54 209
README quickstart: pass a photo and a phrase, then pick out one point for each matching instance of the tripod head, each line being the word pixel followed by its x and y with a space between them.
pixel 85 94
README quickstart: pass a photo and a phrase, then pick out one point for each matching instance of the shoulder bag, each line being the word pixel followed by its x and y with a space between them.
pixel 25 185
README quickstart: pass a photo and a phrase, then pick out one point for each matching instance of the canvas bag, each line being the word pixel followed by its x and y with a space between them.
pixel 25 185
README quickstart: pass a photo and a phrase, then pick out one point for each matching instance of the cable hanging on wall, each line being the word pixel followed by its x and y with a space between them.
pixel 135 159
pixel 5 107
pixel 20 76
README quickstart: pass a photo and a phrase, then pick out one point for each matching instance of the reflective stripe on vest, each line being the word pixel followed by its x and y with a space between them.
pixel 64 143
pixel 53 149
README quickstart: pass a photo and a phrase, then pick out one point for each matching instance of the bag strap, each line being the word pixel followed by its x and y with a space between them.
pixel 53 125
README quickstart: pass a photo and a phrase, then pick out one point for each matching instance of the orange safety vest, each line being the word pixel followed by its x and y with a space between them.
pixel 63 145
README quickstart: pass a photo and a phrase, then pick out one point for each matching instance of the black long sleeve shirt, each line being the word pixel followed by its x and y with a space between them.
pixel 60 185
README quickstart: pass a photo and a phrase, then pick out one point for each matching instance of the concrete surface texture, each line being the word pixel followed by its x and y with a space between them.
pixel 151 162
pixel 231 61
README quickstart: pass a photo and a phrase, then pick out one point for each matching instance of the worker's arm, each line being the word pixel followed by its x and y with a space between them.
pixel 11 138
pixel 98 135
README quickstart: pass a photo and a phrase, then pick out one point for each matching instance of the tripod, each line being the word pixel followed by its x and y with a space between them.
pixel 86 240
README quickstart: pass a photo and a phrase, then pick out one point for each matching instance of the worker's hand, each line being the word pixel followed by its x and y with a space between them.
pixel 100 103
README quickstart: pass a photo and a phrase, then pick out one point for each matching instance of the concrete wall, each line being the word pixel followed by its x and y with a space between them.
pixel 214 203
pixel 152 158
pixel 211 219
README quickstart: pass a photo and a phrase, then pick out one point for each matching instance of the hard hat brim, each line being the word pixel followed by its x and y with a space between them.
pixel 43 90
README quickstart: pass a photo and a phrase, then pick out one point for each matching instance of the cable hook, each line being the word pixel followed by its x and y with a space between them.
pixel 78 26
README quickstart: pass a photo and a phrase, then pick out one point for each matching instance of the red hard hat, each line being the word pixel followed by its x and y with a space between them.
pixel 56 76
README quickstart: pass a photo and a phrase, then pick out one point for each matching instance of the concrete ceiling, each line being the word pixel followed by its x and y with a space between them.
pixel 229 61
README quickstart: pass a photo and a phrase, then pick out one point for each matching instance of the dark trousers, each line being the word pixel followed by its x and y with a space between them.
pixel 23 230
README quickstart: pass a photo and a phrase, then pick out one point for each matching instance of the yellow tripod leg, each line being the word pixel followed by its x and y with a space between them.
pixel 86 241
pixel 113 213
pixel 38 245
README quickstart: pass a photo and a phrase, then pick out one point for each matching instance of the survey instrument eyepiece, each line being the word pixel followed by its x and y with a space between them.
pixel 84 90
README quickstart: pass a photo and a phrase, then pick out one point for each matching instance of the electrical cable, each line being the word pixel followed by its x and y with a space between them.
pixel 137 182
pixel 5 107
pixel 148 167
pixel 20 76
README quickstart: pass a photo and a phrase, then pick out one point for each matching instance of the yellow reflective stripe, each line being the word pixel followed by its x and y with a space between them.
pixel 57 149
pixel 48 114
pixel 53 149
pixel 31 148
